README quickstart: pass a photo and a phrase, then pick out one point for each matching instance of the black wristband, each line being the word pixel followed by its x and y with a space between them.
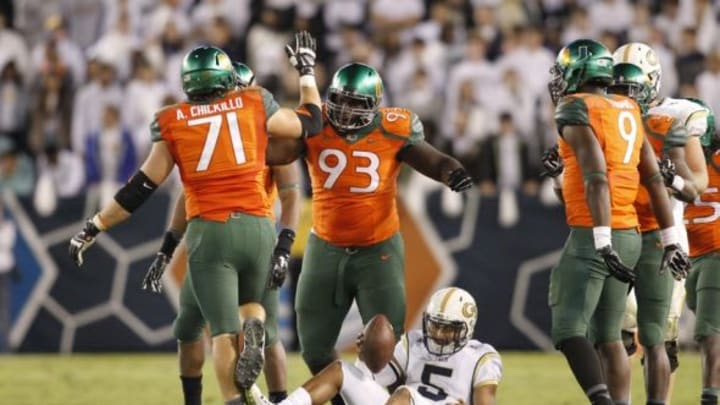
pixel 170 242
pixel 90 228
pixel 137 190
pixel 285 240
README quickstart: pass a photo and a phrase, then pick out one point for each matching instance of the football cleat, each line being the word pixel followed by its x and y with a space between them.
pixel 251 360
pixel 253 396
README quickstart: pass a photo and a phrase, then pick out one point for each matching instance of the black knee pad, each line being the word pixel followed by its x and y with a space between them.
pixel 628 339
pixel 672 351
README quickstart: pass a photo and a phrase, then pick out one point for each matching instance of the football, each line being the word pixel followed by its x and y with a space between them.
pixel 378 343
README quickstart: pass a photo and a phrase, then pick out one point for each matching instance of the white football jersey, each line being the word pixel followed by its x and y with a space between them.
pixel 442 380
pixel 692 115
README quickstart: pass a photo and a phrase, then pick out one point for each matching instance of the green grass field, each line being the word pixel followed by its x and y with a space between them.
pixel 140 379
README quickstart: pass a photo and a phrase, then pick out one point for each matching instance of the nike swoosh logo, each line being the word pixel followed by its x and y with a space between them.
pixel 147 186
pixel 384 257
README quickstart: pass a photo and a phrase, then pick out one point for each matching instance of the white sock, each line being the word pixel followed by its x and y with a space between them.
pixel 298 397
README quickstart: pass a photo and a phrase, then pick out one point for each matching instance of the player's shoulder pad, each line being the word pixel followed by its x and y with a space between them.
pixel 572 110
pixel 480 349
pixel 414 336
pixel 159 117
pixel 688 106
pixel 401 123
pixel 396 121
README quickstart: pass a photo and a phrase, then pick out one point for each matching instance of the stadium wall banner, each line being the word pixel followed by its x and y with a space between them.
pixel 57 307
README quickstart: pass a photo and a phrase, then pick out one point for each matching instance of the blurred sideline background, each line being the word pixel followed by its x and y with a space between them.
pixel 81 79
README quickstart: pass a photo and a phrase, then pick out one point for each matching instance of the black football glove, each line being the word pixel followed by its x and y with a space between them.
pixel 617 269
pixel 82 241
pixel 676 260
pixel 280 261
pixel 459 180
pixel 302 53
pixel 552 162
pixel 668 171
pixel 162 258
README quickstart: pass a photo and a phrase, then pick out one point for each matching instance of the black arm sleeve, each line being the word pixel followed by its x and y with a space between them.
pixel 134 193
pixel 311 119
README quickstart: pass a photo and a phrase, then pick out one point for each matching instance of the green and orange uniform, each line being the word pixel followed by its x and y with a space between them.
pixel 653 289
pixel 355 251
pixel 219 148
pixel 581 287
pixel 702 218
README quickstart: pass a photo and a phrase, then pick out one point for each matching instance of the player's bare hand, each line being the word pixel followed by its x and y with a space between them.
pixel 301 53
pixel 552 162
pixel 675 259
pixel 615 265
pixel 82 241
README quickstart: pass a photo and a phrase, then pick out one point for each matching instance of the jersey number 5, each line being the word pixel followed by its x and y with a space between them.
pixel 429 390
pixel 213 133
pixel 712 204
pixel 371 170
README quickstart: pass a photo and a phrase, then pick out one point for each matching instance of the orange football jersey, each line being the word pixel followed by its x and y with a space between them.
pixel 702 216
pixel 220 151
pixel 616 122
pixel 663 132
pixel 354 178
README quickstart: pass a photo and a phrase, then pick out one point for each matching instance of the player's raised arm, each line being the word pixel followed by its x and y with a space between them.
pixel 307 119
pixel 131 196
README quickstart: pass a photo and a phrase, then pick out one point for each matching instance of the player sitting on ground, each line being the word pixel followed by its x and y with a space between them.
pixel 439 364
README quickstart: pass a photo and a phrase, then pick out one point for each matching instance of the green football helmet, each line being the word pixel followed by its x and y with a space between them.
pixel 244 76
pixel 582 61
pixel 205 71
pixel 354 97
pixel 711 138
pixel 630 80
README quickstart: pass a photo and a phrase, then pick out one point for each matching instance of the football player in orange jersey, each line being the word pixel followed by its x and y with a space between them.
pixel 693 117
pixel 218 139
pixel 355 251
pixel 703 284
pixel 281 181
pixel 653 289
pixel 606 155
